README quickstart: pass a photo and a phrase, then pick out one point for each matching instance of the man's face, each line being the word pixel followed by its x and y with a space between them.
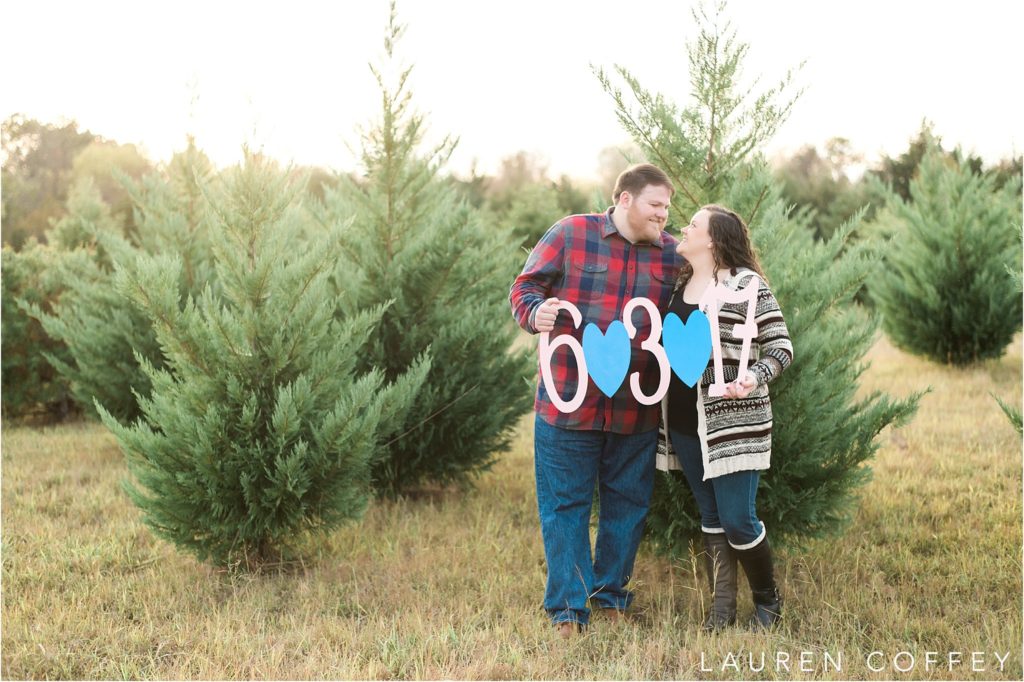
pixel 647 212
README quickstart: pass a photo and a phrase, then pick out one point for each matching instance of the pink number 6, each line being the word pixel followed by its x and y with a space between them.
pixel 547 349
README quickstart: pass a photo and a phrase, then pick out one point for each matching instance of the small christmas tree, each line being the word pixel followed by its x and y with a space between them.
pixel 945 292
pixel 260 431
pixel 447 275
pixel 822 435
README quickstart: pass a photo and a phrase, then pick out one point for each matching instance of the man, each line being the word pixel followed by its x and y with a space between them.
pixel 598 262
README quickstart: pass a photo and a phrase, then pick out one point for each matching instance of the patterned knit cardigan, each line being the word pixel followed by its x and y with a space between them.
pixel 736 433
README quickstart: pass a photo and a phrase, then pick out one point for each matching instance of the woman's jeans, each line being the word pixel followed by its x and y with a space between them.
pixel 726 502
pixel 568 466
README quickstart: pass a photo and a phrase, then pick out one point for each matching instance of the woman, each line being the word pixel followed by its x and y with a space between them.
pixel 723 442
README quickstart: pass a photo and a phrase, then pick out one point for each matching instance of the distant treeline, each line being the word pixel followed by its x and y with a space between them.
pixel 42 161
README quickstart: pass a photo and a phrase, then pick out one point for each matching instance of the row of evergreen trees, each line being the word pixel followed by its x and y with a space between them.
pixel 269 360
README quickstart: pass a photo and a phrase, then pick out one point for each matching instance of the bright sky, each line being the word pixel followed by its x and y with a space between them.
pixel 292 77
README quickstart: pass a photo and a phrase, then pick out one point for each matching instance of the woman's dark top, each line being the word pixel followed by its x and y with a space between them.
pixel 682 400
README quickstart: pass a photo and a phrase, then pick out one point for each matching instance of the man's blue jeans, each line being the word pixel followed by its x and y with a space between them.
pixel 568 466
pixel 726 503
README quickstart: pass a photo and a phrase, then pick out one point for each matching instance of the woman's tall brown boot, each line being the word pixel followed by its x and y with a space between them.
pixel 720 564
pixel 757 564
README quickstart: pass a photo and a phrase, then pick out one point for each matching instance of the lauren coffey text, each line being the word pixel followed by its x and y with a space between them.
pixel 838 661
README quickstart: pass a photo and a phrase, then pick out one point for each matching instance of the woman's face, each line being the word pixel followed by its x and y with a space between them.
pixel 695 237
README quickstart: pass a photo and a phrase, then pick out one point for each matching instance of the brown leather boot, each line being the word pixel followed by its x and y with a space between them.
pixel 758 565
pixel 720 565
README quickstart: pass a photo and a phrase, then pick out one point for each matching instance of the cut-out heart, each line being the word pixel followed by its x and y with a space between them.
pixel 607 355
pixel 688 346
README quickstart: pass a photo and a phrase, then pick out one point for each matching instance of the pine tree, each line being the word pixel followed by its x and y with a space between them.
pixel 260 432
pixel 822 435
pixel 30 382
pixel 39 363
pixel 101 329
pixel 945 292
pixel 447 275
pixel 86 215
pixel 708 148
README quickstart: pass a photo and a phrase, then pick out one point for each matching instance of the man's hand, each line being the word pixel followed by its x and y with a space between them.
pixel 742 387
pixel 544 318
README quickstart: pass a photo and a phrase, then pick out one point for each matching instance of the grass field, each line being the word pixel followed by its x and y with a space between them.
pixel 445 585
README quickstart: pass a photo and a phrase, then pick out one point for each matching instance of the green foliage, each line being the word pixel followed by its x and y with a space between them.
pixel 30 383
pixel 104 332
pixel 528 213
pixel 72 255
pixel 823 434
pixel 107 165
pixel 1012 413
pixel 945 292
pixel 260 432
pixel 819 182
pixel 37 173
pixel 415 243
pixel 87 213
pixel 897 173
pixel 705 147
pixel 522 199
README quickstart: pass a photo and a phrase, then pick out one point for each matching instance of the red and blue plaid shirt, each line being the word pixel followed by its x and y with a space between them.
pixel 585 260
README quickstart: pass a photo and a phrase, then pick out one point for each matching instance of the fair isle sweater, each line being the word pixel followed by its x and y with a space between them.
pixel 736 433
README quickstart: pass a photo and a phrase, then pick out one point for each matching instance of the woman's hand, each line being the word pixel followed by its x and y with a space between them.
pixel 742 387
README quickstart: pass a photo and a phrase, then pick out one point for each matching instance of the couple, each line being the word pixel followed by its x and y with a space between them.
pixel 599 262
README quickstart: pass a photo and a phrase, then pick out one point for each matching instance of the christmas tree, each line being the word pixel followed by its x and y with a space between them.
pixel 446 275
pixel 822 434
pixel 946 292
pixel 260 432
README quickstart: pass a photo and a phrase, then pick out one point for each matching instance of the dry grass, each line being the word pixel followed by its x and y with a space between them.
pixel 449 586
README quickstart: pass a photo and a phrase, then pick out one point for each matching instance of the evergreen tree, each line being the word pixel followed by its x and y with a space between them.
pixel 87 214
pixel 260 432
pixel 420 246
pixel 101 329
pixel 945 292
pixel 823 435
pixel 819 182
pixel 707 147
pixel 33 286
pixel 30 382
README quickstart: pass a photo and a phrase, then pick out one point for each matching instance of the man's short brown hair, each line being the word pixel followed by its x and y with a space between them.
pixel 636 177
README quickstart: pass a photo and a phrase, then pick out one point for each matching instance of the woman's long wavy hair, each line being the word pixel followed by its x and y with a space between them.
pixel 732 247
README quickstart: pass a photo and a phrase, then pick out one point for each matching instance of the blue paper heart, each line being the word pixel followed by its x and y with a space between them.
pixel 607 355
pixel 688 346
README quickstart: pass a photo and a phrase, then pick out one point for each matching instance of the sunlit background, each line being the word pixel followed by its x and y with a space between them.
pixel 293 80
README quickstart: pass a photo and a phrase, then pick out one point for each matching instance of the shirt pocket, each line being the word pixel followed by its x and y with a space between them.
pixel 590 281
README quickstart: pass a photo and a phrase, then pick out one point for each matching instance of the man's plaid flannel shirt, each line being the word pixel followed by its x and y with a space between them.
pixel 585 260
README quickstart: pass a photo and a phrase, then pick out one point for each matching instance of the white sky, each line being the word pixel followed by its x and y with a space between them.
pixel 292 77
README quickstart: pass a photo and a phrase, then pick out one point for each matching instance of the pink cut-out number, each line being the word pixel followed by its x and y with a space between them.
pixel 746 331
pixel 547 349
pixel 650 345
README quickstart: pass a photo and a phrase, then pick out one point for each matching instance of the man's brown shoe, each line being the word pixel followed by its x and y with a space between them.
pixel 566 629
pixel 614 616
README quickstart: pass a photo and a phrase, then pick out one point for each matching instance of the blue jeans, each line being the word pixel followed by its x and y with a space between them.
pixel 726 503
pixel 568 466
